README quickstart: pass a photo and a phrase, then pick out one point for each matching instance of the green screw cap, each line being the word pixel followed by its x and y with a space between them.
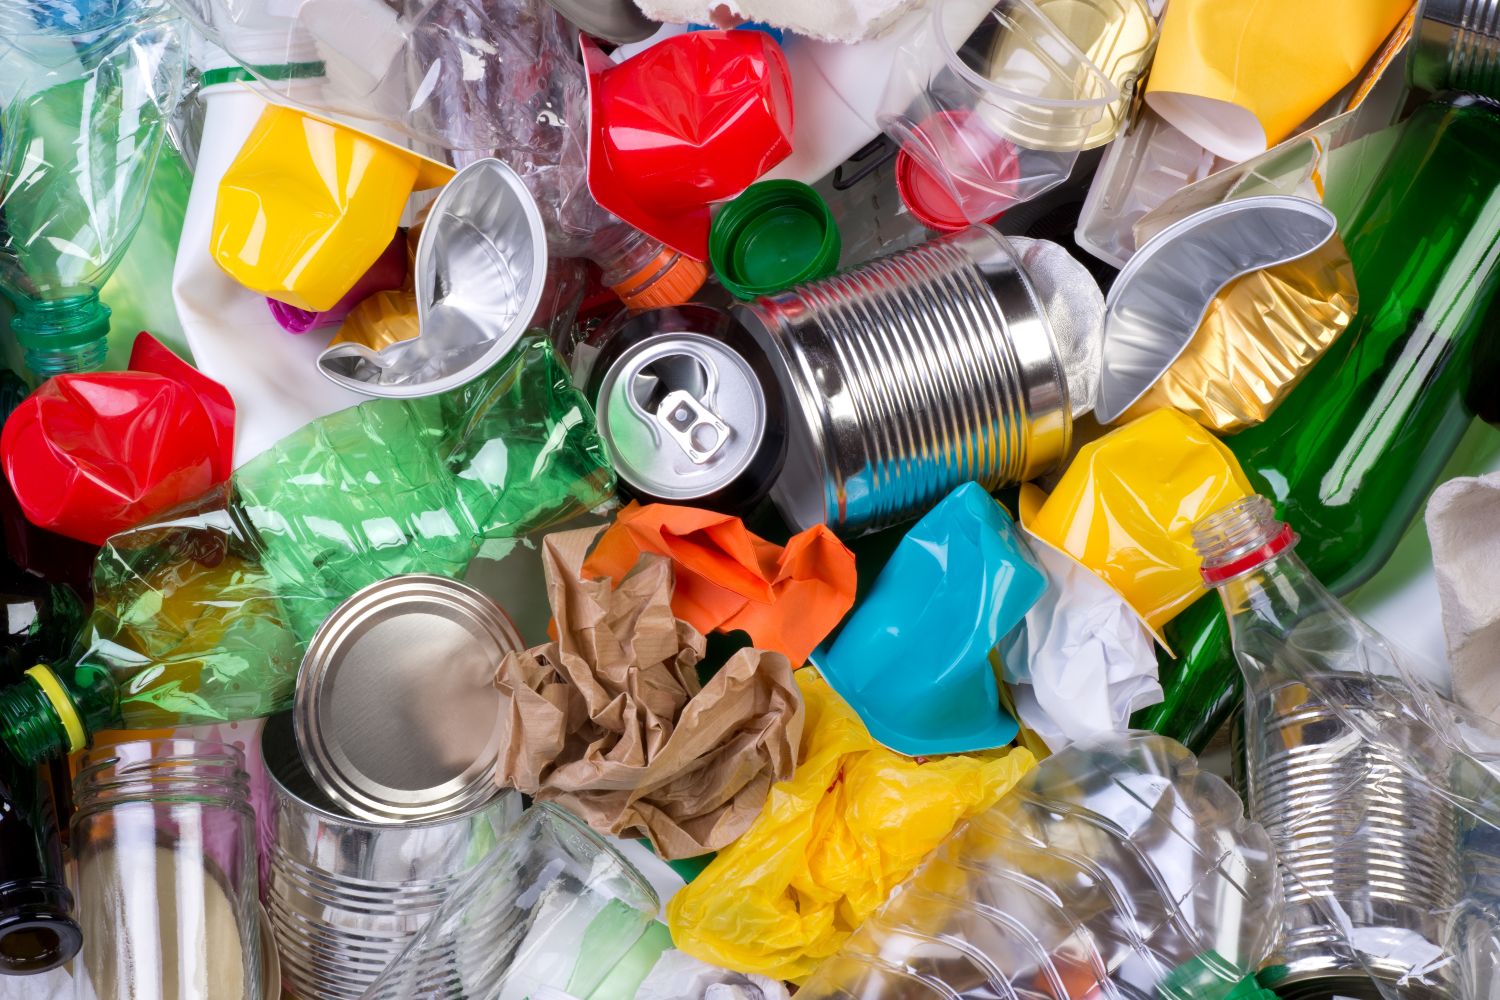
pixel 1208 977
pixel 775 235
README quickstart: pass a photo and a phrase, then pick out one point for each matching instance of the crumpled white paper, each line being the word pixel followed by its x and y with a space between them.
pixel 680 976
pixel 1083 661
pixel 1463 524
pixel 830 20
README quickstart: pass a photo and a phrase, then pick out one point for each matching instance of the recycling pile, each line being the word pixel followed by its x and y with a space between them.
pixel 669 499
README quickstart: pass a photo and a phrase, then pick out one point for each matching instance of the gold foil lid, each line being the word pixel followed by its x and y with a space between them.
pixel 1260 336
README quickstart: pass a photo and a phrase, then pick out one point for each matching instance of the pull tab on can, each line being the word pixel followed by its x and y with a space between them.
pixel 692 425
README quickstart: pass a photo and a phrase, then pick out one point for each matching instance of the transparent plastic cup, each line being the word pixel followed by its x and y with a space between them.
pixel 551 908
pixel 1002 116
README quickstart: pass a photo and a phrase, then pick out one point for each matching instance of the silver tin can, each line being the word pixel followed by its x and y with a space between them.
pixel 1457 46
pixel 1349 823
pixel 396 712
pixel 687 406
pixel 346 896
pixel 910 376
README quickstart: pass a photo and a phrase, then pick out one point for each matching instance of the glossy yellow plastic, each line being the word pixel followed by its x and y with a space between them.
pixel 831 844
pixel 308 205
pixel 1126 507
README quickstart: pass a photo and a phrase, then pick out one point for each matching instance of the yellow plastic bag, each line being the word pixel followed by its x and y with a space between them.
pixel 1126 507
pixel 831 843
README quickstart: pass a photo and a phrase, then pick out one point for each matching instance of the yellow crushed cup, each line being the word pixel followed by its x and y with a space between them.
pixel 308 206
pixel 1126 506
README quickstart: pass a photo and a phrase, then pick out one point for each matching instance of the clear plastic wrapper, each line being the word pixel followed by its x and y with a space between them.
pixel 1114 869
pixel 477 79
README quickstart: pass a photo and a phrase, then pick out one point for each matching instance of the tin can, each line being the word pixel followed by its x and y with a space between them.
pixel 345 895
pixel 396 712
pixel 1457 46
pixel 910 376
pixel 688 407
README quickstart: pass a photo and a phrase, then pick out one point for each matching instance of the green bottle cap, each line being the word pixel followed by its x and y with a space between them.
pixel 775 235
pixel 1210 977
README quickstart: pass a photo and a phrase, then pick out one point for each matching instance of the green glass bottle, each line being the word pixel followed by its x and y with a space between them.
pixel 203 614
pixel 1352 453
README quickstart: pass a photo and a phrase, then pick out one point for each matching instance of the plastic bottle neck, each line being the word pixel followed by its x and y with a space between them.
pixel 643 271
pixel 32 722
pixel 1249 556
pixel 60 336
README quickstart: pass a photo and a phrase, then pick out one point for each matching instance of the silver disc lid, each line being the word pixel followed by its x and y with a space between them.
pixel 396 713
pixel 682 415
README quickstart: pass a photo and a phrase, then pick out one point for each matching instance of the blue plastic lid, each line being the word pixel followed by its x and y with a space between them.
pixel 761 26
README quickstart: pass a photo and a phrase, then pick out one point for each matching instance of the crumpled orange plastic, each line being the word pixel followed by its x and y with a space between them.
pixel 788 600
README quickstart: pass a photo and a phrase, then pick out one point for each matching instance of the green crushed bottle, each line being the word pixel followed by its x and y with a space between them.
pixel 202 614
pixel 85 113
pixel 1353 452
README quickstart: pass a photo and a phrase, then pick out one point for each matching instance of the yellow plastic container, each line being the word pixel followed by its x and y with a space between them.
pixel 1126 508
pixel 308 206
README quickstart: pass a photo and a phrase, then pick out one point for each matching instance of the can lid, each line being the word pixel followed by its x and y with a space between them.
pixel 683 415
pixel 775 235
pixel 396 713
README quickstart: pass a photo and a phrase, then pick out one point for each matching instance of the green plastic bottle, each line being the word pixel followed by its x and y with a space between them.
pixel 202 615
pixel 85 114
pixel 1352 453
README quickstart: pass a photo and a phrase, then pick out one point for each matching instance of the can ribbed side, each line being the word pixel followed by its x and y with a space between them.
pixel 1474 56
pixel 920 342
pixel 1349 824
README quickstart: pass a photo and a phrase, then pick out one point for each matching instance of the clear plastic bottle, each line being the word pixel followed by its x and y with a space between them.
pixel 1362 841
pixel 1114 869
pixel 202 615
pixel 88 91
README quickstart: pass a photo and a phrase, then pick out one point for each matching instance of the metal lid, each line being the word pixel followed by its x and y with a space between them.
pixel 683 416
pixel 396 713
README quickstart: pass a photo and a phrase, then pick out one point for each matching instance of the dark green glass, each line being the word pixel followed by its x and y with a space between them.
pixel 1352 453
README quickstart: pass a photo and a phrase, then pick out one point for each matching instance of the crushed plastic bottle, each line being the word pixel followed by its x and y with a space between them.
pixel 87 91
pixel 202 614
pixel 1367 849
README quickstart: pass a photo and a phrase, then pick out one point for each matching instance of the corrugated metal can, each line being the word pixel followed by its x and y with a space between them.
pixel 1457 46
pixel 910 376
pixel 345 896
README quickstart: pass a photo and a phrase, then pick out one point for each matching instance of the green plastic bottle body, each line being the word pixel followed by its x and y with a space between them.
pixel 1352 453
pixel 78 143
pixel 203 614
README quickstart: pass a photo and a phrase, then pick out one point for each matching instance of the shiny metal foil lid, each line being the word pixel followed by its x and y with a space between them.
pixel 1164 291
pixel 396 714
pixel 481 268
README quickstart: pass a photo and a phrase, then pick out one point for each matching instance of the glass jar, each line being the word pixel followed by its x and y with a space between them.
pixel 165 841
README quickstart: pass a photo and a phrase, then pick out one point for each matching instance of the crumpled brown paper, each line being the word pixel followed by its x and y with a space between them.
pixel 610 722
